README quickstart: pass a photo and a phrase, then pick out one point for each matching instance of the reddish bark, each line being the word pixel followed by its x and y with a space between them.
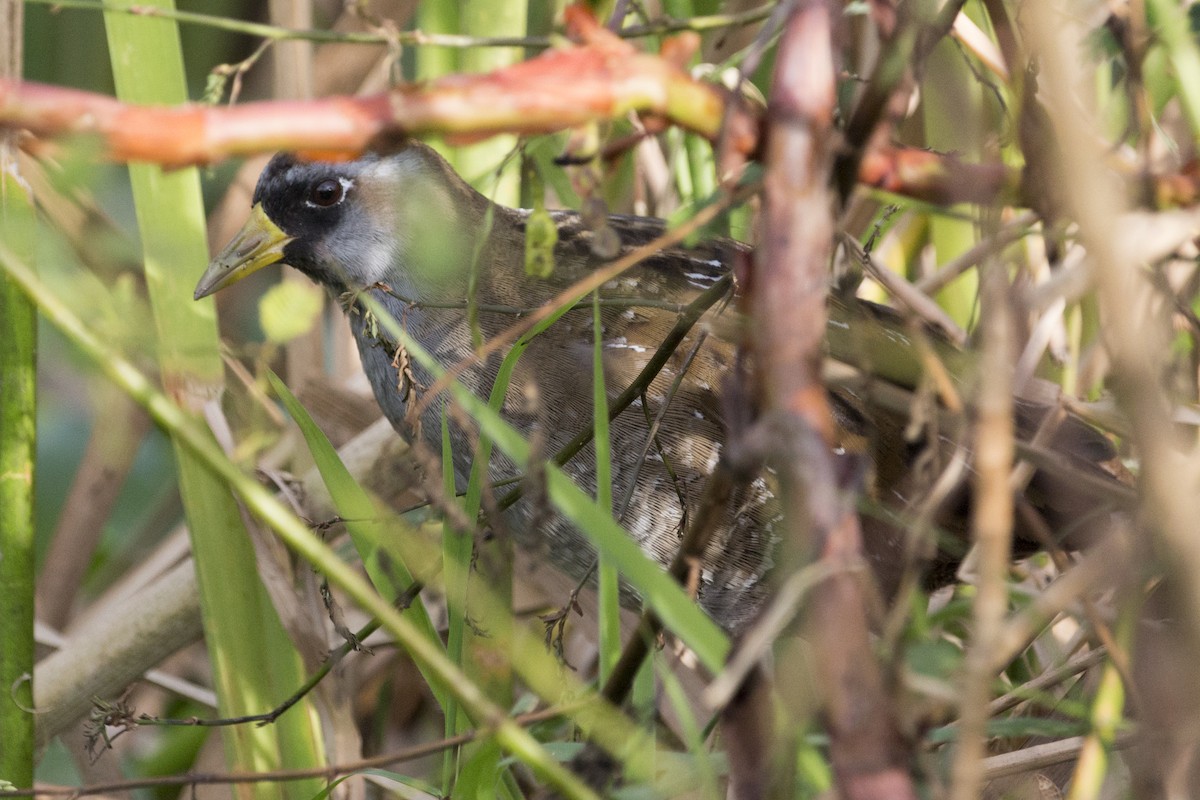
pixel 602 78
pixel 787 305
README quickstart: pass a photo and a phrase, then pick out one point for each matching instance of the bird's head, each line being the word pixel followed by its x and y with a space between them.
pixel 394 217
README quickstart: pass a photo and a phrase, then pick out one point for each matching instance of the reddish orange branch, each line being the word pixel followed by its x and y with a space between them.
pixel 554 95
pixel 937 177
pixel 192 134
pixel 602 78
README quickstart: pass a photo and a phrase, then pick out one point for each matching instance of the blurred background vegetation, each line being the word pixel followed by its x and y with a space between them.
pixel 108 485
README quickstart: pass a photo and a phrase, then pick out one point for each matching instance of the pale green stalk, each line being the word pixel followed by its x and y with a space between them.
pixel 1171 25
pixel 952 109
pixel 18 434
pixel 483 163
pixel 439 19
pixel 1108 714
pixel 251 660
pixel 18 440
pixel 1092 766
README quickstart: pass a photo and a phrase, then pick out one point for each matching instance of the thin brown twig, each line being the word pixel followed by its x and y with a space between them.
pixel 1040 756
pixel 908 294
pixel 992 529
pixel 1014 230
pixel 329 773
pixel 413 38
pixel 1051 677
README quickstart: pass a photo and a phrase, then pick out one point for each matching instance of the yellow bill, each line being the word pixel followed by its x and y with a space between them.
pixel 258 244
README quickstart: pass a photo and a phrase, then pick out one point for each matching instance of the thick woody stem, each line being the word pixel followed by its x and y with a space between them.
pixel 787 301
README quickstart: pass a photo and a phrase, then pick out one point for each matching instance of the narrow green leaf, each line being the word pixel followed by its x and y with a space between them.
pixel 493 607
pixel 369 525
pixel 456 568
pixel 609 584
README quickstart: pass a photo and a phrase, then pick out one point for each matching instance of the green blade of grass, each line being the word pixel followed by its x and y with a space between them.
pixel 456 569
pixel 484 165
pixel 369 525
pixel 497 602
pixel 608 582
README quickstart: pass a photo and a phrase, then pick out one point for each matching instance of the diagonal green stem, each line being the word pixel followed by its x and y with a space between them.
pixel 291 529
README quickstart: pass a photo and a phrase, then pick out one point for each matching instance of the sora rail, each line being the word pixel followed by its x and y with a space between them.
pixel 402 227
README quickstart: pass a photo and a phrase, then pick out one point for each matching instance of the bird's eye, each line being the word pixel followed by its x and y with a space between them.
pixel 327 193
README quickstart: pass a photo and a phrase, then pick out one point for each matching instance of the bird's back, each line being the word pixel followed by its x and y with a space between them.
pixel 663 446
